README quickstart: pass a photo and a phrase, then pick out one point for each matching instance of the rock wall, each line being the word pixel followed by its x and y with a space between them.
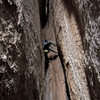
pixel 89 13
pixel 21 66
pixel 69 41
pixel 76 25
pixel 73 25
pixel 81 20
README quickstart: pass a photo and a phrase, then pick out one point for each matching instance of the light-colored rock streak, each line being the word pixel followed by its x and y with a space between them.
pixel 70 42
pixel 74 57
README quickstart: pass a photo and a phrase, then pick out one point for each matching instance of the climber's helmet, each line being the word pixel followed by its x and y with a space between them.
pixel 45 42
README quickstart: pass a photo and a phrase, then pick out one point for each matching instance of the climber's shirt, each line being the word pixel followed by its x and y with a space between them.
pixel 46 51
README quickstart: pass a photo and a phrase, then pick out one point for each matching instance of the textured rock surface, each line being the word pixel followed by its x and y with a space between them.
pixel 69 41
pixel 20 53
pixel 55 81
pixel 77 34
pixel 73 25
pixel 89 13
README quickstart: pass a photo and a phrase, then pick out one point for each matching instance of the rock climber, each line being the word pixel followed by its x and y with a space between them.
pixel 47 47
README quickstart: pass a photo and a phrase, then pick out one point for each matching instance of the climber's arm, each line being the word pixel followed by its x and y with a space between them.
pixel 53 50
pixel 52 43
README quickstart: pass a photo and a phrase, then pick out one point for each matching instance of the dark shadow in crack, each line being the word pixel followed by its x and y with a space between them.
pixel 44 12
pixel 64 70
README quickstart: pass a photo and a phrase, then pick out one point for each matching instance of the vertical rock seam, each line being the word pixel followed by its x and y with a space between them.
pixel 64 71
pixel 44 12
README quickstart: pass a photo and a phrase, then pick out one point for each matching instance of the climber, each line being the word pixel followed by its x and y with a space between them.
pixel 47 47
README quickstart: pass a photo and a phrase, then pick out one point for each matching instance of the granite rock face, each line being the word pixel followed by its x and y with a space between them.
pixel 73 25
pixel 70 46
pixel 20 51
pixel 89 13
